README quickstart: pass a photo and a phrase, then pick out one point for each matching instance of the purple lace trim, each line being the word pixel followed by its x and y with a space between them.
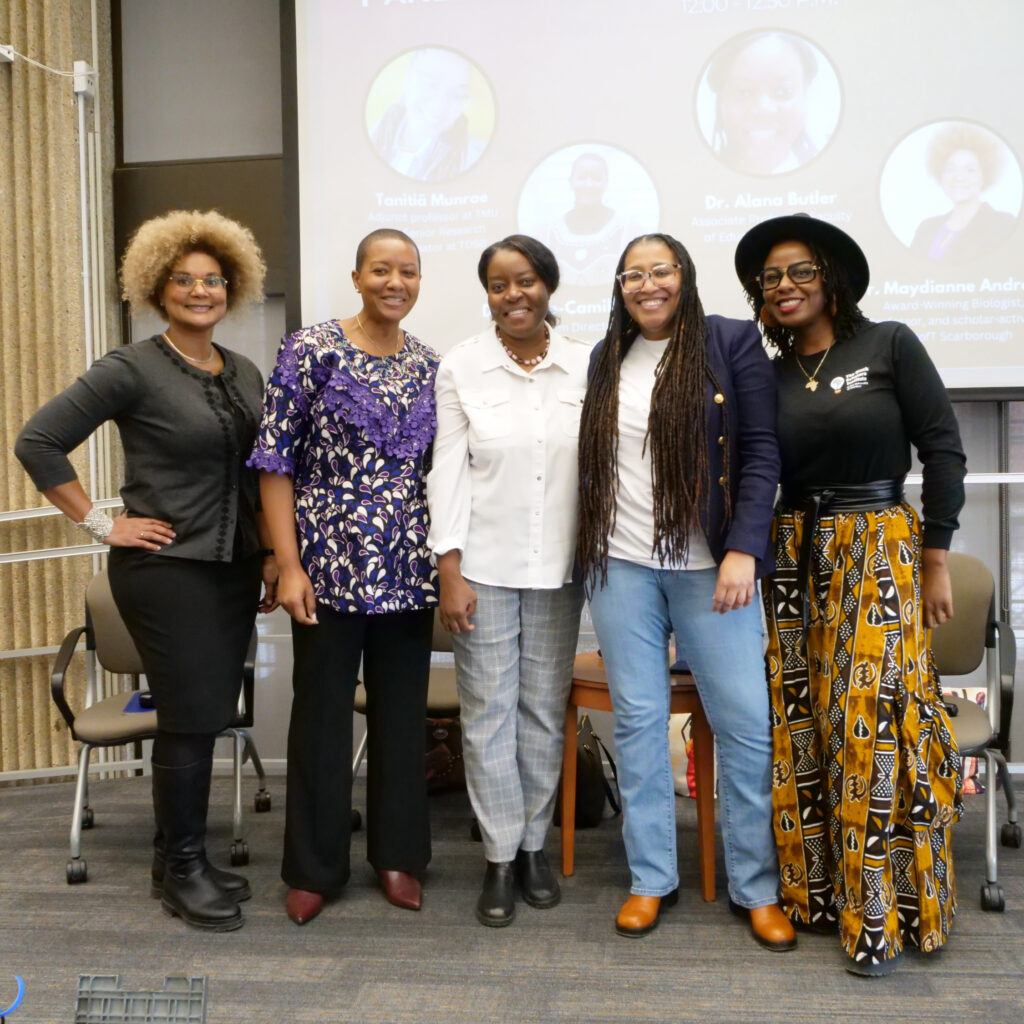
pixel 287 371
pixel 398 432
pixel 270 462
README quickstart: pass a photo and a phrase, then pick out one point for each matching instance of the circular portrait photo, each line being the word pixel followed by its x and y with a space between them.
pixel 951 191
pixel 430 114
pixel 585 202
pixel 768 102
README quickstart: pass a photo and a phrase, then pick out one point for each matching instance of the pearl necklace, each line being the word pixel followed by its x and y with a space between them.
pixel 192 359
pixel 519 359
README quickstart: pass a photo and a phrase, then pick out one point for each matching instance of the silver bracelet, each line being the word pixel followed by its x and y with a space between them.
pixel 97 524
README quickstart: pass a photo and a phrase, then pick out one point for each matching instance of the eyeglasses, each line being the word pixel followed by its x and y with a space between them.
pixel 211 282
pixel 633 280
pixel 798 273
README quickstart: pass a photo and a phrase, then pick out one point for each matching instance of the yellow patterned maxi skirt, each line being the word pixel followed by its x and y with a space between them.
pixel 866 774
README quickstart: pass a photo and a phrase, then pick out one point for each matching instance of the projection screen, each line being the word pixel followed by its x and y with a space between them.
pixel 587 122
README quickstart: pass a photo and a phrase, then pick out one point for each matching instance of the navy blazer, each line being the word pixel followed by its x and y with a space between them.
pixel 745 400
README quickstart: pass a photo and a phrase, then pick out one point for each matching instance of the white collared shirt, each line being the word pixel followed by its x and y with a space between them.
pixel 503 489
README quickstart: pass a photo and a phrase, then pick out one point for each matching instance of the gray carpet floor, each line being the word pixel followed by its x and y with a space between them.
pixel 364 960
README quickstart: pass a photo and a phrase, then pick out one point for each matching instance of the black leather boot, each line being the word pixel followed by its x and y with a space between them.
pixel 496 906
pixel 234 886
pixel 537 883
pixel 180 799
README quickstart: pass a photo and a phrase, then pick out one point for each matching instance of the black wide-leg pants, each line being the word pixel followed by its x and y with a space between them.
pixel 395 651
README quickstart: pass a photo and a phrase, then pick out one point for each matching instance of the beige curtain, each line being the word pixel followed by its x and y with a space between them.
pixel 42 347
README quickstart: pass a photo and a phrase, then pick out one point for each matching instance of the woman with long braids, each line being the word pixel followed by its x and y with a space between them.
pixel 678 471
pixel 866 772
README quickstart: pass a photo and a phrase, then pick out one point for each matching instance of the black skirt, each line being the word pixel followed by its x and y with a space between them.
pixel 191 622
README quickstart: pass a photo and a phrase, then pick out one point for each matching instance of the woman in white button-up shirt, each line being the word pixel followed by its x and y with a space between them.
pixel 502 497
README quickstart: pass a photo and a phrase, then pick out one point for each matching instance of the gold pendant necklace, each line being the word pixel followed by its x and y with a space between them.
pixel 812 378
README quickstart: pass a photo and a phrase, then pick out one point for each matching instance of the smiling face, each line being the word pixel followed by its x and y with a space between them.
pixel 517 296
pixel 963 178
pixel 654 305
pixel 800 308
pixel 388 280
pixel 761 106
pixel 197 308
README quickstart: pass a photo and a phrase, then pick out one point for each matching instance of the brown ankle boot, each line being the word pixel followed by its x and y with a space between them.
pixel 640 914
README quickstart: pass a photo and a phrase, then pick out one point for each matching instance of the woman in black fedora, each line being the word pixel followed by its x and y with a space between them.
pixel 866 774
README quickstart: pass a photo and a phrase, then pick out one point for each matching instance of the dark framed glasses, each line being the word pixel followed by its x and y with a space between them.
pixel 211 282
pixel 798 273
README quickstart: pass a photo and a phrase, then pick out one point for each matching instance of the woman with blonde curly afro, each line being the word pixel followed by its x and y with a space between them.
pixel 966 160
pixel 186 556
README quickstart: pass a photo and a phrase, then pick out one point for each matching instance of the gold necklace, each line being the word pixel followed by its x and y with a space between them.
pixel 192 359
pixel 369 337
pixel 812 381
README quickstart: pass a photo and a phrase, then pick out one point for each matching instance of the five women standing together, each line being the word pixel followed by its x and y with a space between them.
pixel 675 444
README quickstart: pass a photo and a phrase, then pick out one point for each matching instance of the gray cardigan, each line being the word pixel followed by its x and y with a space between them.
pixel 184 448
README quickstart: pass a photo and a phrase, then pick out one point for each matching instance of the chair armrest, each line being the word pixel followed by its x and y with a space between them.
pixel 60 667
pixel 249 668
pixel 1007 647
pixel 247 697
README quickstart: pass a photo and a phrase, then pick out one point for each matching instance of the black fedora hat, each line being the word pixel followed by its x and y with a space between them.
pixel 755 245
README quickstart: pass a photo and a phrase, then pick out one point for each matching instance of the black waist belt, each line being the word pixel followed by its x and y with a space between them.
pixel 816 502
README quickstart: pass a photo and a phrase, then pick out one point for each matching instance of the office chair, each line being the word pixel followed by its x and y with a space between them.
pixel 119 720
pixel 958 647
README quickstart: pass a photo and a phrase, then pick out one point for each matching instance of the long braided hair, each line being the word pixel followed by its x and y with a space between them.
pixel 676 428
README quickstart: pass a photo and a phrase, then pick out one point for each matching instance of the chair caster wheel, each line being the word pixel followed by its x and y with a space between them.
pixel 1009 835
pixel 89 819
pixel 239 853
pixel 261 802
pixel 992 897
pixel 77 872
pixel 357 820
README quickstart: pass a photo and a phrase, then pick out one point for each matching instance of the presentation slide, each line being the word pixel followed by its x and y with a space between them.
pixel 587 122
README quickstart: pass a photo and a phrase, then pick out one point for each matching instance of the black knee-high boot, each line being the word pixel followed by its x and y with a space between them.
pixel 234 886
pixel 181 797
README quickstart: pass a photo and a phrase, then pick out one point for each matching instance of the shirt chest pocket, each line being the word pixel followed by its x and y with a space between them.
pixel 489 413
pixel 570 406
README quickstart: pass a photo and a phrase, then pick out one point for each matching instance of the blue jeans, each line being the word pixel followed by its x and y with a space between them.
pixel 634 613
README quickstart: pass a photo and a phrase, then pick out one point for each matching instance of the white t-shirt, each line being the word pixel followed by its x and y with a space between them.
pixel 633 536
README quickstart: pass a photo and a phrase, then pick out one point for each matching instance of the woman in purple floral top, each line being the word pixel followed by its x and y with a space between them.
pixel 348 418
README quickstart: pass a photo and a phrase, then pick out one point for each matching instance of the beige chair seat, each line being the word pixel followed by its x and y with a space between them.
pixel 442 694
pixel 971 725
pixel 107 722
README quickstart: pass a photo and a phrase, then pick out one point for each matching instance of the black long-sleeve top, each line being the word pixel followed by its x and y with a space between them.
pixel 186 434
pixel 878 393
